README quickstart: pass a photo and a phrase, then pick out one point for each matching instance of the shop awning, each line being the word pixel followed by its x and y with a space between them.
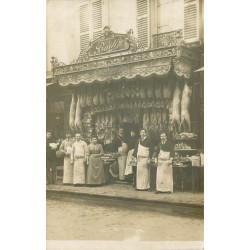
pixel 127 62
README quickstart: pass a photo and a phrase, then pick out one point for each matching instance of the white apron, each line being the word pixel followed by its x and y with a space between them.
pixel 79 166
pixel 143 172
pixel 128 169
pixel 67 168
pixel 164 177
pixel 122 160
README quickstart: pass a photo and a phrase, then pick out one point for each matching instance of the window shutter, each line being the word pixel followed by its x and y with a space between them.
pixel 97 18
pixel 84 25
pixel 143 22
pixel 191 20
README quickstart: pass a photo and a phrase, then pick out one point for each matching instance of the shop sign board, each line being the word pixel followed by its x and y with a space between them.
pixel 109 42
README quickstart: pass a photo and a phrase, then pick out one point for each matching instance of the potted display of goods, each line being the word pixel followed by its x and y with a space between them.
pixel 182 145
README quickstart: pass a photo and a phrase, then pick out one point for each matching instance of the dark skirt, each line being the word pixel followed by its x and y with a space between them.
pixel 95 171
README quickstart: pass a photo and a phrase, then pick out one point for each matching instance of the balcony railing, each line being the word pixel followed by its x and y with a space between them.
pixel 168 39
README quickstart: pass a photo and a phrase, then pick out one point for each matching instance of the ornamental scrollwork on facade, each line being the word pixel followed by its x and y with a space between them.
pixel 159 67
pixel 168 39
pixel 182 67
pixel 130 58
pixel 55 63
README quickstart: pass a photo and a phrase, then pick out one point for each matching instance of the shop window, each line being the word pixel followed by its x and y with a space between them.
pixel 91 24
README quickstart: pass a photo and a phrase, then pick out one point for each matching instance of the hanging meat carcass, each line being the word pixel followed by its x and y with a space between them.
pixel 119 117
pixel 158 88
pixel 144 104
pixel 135 104
pixel 101 127
pixel 137 90
pixel 78 121
pixel 122 91
pixel 127 104
pixel 127 91
pixel 164 116
pixel 158 126
pixel 185 105
pixel 132 91
pixel 109 96
pixel 83 98
pixel 143 90
pixel 72 113
pixel 97 125
pixel 96 96
pixel 112 127
pixel 176 115
pixel 146 119
pixel 139 103
pixel 89 97
pixel 150 90
pixel 167 90
pixel 102 98
pixel 89 125
pixel 107 137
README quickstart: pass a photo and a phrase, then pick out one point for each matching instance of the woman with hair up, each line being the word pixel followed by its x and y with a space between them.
pixel 95 170
pixel 143 152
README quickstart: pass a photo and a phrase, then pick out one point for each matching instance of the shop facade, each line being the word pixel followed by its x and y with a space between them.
pixel 113 85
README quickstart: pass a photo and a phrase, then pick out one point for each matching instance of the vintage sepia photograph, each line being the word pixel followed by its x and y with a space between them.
pixel 124 124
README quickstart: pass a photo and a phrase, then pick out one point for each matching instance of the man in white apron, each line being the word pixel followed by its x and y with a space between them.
pixel 143 152
pixel 121 146
pixel 164 177
pixel 66 147
pixel 79 157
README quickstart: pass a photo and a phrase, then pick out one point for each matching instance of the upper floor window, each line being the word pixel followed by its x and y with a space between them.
pixel 179 14
pixel 91 23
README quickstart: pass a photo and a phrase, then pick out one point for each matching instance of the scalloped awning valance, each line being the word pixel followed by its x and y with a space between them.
pixel 180 60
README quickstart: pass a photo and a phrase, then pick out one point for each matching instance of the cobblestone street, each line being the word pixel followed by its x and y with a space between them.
pixel 70 218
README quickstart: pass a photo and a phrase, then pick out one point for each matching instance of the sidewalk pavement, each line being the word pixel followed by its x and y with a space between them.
pixel 127 192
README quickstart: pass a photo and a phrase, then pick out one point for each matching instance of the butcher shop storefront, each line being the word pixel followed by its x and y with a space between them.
pixel 115 83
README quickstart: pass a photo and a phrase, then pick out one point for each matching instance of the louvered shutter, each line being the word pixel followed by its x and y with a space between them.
pixel 84 13
pixel 143 22
pixel 96 18
pixel 191 20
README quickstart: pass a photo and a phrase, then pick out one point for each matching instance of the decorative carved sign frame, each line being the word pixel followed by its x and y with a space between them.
pixel 106 45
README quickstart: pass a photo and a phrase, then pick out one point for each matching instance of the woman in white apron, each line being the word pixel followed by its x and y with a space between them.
pixel 66 146
pixel 79 157
pixel 143 152
pixel 164 177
